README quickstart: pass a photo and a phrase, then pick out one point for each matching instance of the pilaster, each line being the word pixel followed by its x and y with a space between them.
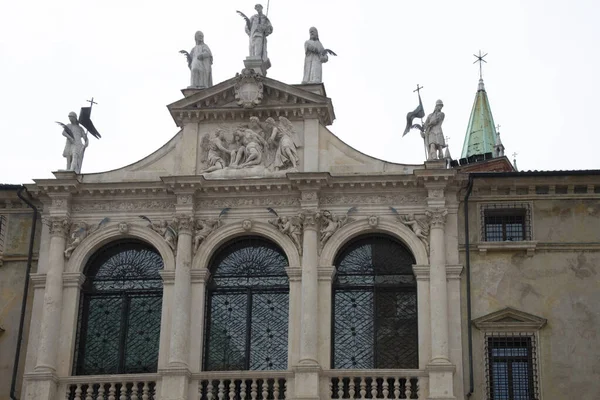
pixel 72 283
pixel 326 275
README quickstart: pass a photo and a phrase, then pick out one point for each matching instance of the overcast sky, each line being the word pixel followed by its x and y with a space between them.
pixel 542 75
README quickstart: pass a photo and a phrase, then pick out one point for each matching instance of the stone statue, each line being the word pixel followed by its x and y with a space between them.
pixel 432 133
pixel 202 229
pixel 216 151
pixel 200 61
pixel 252 149
pixel 258 27
pixel 331 223
pixel 315 56
pixel 75 145
pixel 420 227
pixel 79 232
pixel 290 226
pixel 283 135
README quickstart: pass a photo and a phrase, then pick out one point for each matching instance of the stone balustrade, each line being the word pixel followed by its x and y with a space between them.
pixel 242 385
pixel 375 384
pixel 110 387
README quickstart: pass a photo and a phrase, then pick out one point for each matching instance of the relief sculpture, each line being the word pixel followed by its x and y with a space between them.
pixel 254 149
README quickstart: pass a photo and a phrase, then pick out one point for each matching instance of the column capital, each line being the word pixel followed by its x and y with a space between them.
pixel 73 279
pixel 167 275
pixel 185 224
pixel 294 273
pixel 326 272
pixel 200 275
pixel 59 226
pixel 310 220
pixel 421 272
pixel 453 272
pixel 437 217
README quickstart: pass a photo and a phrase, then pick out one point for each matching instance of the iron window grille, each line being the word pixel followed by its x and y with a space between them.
pixel 374 319
pixel 120 311
pixel 2 235
pixel 511 366
pixel 247 308
pixel 506 222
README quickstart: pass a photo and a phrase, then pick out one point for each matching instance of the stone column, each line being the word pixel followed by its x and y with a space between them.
pixel 421 273
pixel 180 322
pixel 72 284
pixel 306 380
pixel 176 376
pixel 440 368
pixel 53 295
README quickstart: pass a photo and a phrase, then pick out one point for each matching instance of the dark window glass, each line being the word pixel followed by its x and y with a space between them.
pixel 375 306
pixel 504 225
pixel 119 321
pixel 247 308
pixel 510 368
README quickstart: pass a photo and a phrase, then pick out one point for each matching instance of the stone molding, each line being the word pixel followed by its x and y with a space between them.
pixel 41 376
pixel 509 320
pixel 175 370
pixel 168 276
pixel 421 272
pixel 199 275
pixel 96 240
pixel 294 274
pixel 38 280
pixel 387 226
pixel 73 279
pixel 326 273
pixel 453 272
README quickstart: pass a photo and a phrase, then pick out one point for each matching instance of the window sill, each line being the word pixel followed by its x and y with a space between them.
pixel 528 245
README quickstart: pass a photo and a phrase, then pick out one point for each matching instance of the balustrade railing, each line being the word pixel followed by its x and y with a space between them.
pixel 375 384
pixel 110 387
pixel 243 385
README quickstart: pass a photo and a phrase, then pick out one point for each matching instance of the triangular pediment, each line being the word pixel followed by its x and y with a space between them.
pixel 222 102
pixel 509 319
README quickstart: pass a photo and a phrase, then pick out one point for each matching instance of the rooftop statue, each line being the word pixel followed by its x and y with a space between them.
pixel 77 140
pixel 432 133
pixel 199 61
pixel 258 27
pixel 315 56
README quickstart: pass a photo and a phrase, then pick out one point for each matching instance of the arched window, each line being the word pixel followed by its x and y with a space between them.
pixel 375 305
pixel 247 304
pixel 120 311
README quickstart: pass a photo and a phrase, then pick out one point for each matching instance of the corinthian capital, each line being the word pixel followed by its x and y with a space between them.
pixel 59 226
pixel 309 219
pixel 437 217
pixel 185 224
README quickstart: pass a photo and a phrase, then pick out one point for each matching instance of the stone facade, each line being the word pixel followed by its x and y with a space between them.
pixel 545 284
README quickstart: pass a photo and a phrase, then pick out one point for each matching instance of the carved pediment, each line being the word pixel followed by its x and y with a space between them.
pixel 509 319
pixel 249 95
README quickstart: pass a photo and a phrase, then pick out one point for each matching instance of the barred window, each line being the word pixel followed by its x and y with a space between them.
pixel 511 362
pixel 506 222
pixel 120 311
pixel 247 308
pixel 374 305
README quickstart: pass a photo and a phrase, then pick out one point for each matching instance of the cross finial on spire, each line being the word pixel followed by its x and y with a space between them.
pixel 92 102
pixel 497 127
pixel 480 60
pixel 418 89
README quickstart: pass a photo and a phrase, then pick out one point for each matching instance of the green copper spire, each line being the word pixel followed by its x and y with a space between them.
pixel 481 132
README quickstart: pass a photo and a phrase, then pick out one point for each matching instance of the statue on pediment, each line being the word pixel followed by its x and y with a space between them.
pixel 433 134
pixel 315 56
pixel 199 61
pixel 284 137
pixel 216 151
pixel 258 27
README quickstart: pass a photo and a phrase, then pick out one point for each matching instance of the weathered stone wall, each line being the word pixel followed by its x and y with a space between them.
pixel 559 282
pixel 12 280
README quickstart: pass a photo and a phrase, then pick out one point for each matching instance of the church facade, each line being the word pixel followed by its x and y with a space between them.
pixel 257 256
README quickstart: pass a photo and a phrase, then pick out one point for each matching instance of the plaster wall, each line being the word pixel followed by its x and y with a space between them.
pixel 559 282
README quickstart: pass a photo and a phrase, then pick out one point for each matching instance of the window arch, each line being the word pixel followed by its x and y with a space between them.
pixel 247 307
pixel 374 305
pixel 120 311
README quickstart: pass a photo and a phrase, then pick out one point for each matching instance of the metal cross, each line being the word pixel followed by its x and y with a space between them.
pixel 480 60
pixel 497 127
pixel 418 89
pixel 515 155
pixel 92 102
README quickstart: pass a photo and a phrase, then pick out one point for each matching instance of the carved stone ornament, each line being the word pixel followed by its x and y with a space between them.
pixel 247 225
pixel 166 229
pixel 123 228
pixel 203 228
pixel 292 227
pixel 437 216
pixel 373 221
pixel 330 223
pixel 248 88
pixel 59 226
pixel 79 231
pixel 185 224
pixel 419 226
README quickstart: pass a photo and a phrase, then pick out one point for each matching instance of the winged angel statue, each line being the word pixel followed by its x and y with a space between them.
pixel 267 145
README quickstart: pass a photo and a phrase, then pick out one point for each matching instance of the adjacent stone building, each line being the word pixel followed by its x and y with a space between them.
pixel 257 256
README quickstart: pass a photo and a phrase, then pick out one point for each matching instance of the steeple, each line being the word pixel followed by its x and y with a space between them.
pixel 481 136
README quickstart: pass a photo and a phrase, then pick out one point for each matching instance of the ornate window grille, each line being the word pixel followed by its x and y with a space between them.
pixel 511 366
pixel 247 308
pixel 375 306
pixel 120 311
pixel 506 222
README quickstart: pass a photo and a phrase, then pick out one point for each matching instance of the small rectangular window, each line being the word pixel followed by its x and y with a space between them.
pixel 511 367
pixel 504 225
